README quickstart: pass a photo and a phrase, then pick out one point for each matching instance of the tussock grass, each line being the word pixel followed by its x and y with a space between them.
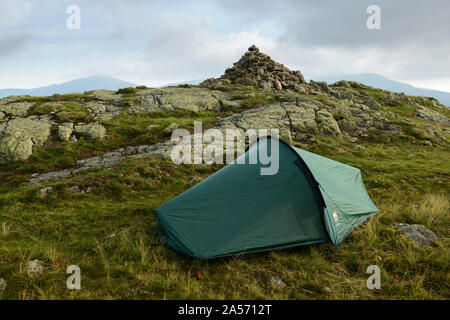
pixel 126 266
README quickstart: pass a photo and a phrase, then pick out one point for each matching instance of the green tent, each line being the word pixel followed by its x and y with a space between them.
pixel 311 199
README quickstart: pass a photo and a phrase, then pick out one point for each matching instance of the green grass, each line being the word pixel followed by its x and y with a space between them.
pixel 408 185
pixel 128 90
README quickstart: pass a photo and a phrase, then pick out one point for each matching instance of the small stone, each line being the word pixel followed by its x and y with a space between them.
pixel 277 282
pixel 73 139
pixel 35 268
pixel 171 127
pixel 419 233
pixel 151 127
pixel 301 137
pixel 74 189
pixel 193 179
pixel 351 139
pixel 278 85
pixel 46 191
pixel 3 284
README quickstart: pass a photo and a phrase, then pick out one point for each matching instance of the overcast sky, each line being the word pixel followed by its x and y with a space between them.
pixel 154 42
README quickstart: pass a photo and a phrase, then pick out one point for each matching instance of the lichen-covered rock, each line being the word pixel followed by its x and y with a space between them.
pixel 106 95
pixel 430 115
pixel 348 125
pixel 92 130
pixel 302 117
pixel 176 98
pixel 327 123
pixel 216 84
pixel 102 111
pixel 322 85
pixel 64 131
pixel 18 109
pixel 273 116
pixel 372 103
pixel 18 136
pixel 341 83
pixel 191 99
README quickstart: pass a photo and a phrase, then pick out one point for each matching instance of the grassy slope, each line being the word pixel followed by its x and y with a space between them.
pixel 409 182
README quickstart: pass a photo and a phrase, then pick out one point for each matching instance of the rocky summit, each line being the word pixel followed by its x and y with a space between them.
pixel 258 70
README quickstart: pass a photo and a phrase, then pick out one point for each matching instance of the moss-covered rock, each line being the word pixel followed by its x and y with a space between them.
pixel 102 111
pixel 64 131
pixel 302 117
pixel 18 136
pixel 192 99
pixel 327 123
pixel 92 130
pixel 431 115
pixel 19 109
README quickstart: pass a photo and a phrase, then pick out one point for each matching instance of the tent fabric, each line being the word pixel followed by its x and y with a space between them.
pixel 343 191
pixel 238 210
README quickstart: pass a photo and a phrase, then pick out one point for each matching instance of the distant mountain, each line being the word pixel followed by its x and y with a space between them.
pixel 193 82
pixel 77 85
pixel 378 81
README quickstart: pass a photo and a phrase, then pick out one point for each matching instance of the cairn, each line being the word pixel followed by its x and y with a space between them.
pixel 258 70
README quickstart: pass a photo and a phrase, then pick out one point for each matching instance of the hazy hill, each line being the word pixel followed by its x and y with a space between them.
pixel 77 85
pixel 379 81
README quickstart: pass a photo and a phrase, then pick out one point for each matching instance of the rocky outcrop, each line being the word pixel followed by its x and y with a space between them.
pixel 327 124
pixel 100 111
pixel 185 99
pixel 92 130
pixel 16 108
pixel 431 115
pixel 260 71
pixel 299 110
pixel 107 160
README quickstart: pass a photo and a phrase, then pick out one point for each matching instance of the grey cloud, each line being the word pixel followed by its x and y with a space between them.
pixel 343 23
pixel 10 44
